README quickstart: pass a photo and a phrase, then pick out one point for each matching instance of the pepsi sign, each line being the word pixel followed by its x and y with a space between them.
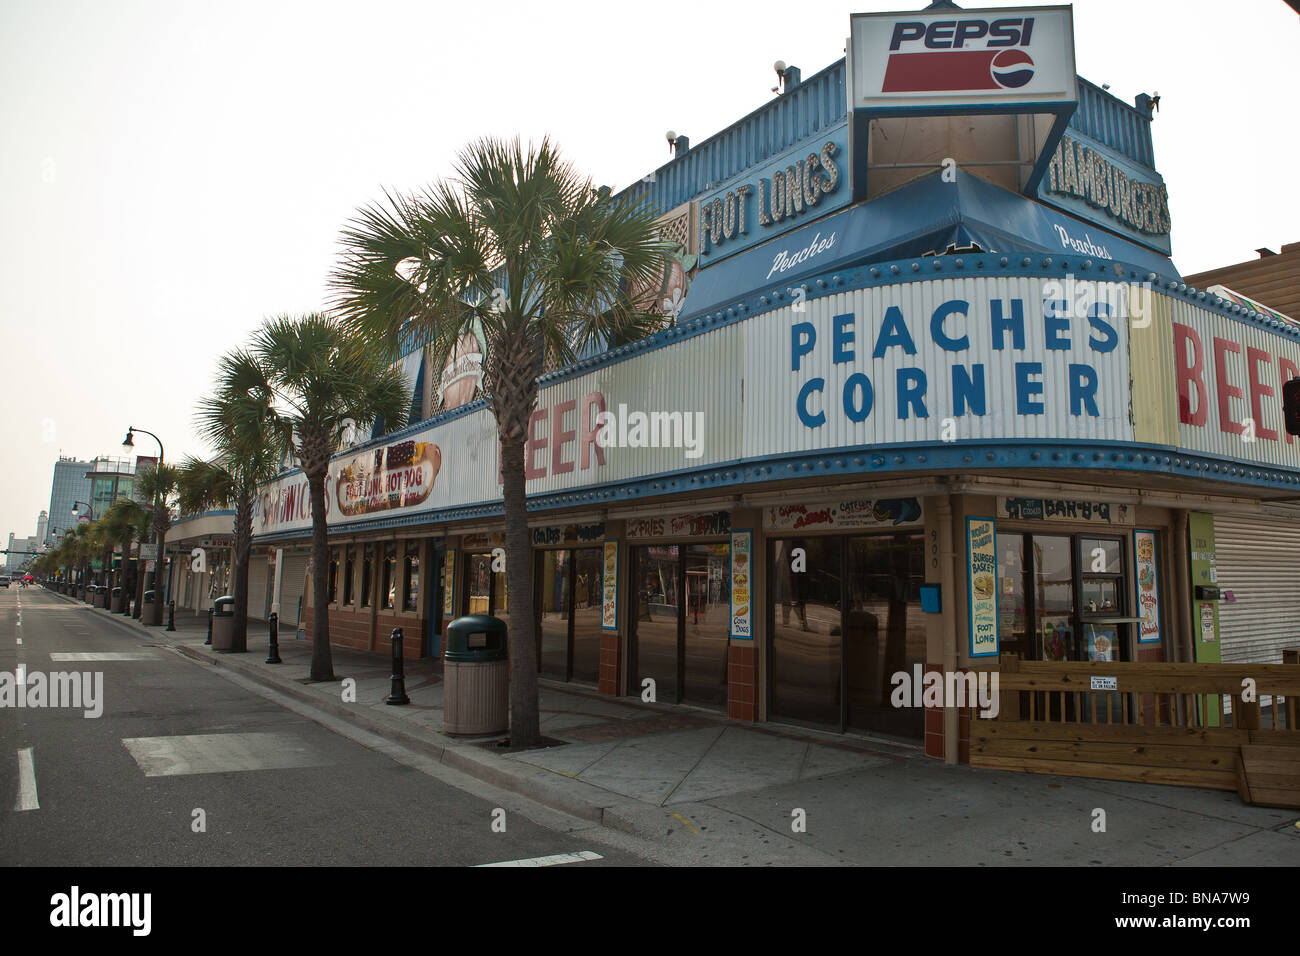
pixel 954 57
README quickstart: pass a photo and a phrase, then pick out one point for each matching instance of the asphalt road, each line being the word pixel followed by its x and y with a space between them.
pixel 274 787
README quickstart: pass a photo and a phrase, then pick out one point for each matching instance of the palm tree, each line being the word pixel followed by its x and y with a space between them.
pixel 317 382
pixel 123 519
pixel 522 246
pixel 158 485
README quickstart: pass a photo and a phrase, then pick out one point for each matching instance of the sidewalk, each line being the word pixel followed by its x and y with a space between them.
pixel 614 750
pixel 720 791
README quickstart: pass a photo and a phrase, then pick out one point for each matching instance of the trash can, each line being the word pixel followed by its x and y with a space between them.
pixel 101 595
pixel 476 693
pixel 223 623
pixel 115 604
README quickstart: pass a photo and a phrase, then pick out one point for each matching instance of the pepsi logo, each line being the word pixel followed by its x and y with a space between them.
pixel 1011 69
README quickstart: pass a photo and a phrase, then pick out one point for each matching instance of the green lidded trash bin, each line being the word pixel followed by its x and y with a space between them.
pixel 476 677
pixel 223 623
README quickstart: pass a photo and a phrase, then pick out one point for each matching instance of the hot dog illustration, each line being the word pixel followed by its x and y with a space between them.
pixel 396 477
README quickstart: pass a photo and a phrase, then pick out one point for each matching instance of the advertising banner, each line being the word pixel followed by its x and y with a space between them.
pixel 1148 586
pixel 848 514
pixel 449 584
pixel 982 567
pixel 742 576
pixel 609 588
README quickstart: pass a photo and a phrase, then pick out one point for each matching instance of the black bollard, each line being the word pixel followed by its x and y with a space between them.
pixel 209 640
pixel 398 694
pixel 273 653
pixel 171 615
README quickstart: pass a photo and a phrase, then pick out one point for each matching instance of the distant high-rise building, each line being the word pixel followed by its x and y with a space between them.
pixel 42 521
pixel 69 491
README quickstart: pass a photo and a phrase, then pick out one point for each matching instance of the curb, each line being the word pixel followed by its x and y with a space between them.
pixel 462 757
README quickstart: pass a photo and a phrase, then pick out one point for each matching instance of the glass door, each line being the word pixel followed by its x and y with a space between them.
pixel 805 623
pixel 655 611
pixel 707 625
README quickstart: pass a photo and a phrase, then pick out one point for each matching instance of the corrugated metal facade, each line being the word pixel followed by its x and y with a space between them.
pixel 1272 350
pixel 1256 558
pixel 772 425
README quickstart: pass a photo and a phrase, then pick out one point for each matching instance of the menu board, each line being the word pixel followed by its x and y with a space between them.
pixel 982 592
pixel 742 573
pixel 449 584
pixel 609 588
pixel 1148 587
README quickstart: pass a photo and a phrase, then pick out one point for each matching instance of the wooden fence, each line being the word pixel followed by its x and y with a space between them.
pixel 1154 723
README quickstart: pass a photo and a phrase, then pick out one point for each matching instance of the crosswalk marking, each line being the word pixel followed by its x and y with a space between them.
pixel 580 857
pixel 219 753
pixel 26 781
pixel 104 656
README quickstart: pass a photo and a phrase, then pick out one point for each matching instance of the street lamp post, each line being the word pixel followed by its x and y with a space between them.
pixel 128 444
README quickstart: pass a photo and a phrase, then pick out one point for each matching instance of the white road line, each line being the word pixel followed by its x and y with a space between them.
pixel 26 781
pixel 22 674
pixel 103 656
pixel 580 857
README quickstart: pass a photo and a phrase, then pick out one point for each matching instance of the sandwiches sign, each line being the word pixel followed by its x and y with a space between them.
pixel 951 57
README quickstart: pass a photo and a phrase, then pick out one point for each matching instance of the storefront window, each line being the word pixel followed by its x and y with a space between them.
pixel 555 580
pixel 334 575
pixel 1053 576
pixel 655 611
pixel 587 571
pixel 348 570
pixel 367 563
pixel 388 589
pixel 1073 592
pixel 485 589
pixel 411 576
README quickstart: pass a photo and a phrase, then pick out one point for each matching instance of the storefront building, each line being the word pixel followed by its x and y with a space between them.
pixel 917 406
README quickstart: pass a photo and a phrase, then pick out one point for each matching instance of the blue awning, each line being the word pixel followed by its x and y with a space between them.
pixel 928 217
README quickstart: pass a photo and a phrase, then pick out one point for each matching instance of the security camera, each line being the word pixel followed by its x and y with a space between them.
pixel 779 66
pixel 671 136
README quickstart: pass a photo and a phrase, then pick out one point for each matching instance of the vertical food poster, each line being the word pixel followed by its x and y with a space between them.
pixel 742 573
pixel 1148 587
pixel 609 588
pixel 449 585
pixel 982 567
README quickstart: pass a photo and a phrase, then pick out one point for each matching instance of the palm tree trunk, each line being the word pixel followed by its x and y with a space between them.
pixel 322 661
pixel 160 532
pixel 243 545
pixel 139 580
pixel 525 725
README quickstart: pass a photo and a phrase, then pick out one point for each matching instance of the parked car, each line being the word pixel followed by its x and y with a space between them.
pixel 4 580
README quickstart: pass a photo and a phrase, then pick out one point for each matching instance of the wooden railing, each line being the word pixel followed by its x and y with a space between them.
pixel 1155 723
pixel 1151 695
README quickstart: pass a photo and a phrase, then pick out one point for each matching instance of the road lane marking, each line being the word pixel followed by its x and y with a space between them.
pixel 104 656
pixel 580 857
pixel 21 671
pixel 219 753
pixel 26 781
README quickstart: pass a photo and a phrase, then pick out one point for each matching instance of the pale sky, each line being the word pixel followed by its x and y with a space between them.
pixel 172 172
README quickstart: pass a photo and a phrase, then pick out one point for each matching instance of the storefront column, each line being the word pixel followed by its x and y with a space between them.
pixel 942 724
